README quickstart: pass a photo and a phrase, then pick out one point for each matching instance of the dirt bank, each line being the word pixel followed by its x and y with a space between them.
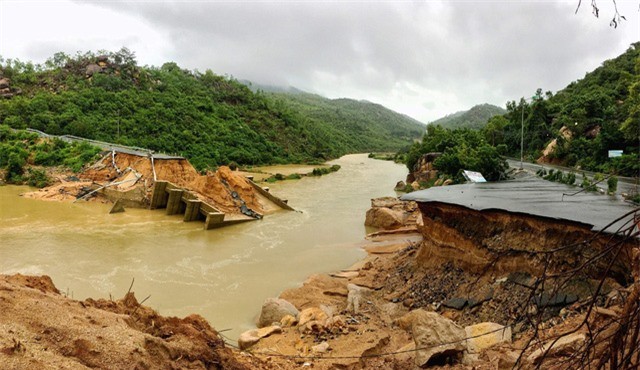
pixel 133 177
pixel 40 328
pixel 475 269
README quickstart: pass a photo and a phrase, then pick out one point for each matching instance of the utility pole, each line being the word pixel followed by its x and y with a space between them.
pixel 533 98
pixel 522 135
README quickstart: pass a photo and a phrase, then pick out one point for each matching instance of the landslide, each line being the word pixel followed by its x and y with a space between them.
pixel 40 328
pixel 130 172
pixel 474 268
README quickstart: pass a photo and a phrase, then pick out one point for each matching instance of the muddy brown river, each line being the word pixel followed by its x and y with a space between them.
pixel 223 274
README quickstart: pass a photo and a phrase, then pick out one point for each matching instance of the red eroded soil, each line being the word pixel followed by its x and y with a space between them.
pixel 133 171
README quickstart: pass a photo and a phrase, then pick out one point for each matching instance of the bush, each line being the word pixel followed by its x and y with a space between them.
pixel 570 179
pixel 37 178
pixel 612 185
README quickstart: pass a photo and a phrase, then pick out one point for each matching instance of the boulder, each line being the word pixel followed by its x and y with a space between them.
pixel 400 185
pixel 565 345
pixel 383 218
pixel 251 337
pixel 320 348
pixel 4 83
pixel 288 321
pixel 485 335
pixel 92 69
pixel 274 310
pixel 435 334
pixel 312 314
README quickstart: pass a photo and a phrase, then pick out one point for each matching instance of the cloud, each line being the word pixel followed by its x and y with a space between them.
pixel 425 59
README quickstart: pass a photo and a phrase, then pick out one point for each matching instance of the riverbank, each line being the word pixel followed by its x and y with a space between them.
pixel 41 328
pixel 379 313
pixel 222 275
pixel 415 302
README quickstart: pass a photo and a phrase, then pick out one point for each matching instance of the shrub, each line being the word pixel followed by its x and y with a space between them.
pixel 612 185
pixel 37 178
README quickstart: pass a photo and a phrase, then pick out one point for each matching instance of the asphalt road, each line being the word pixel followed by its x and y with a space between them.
pixel 626 185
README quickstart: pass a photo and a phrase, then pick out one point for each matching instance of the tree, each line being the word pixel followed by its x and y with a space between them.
pixel 595 10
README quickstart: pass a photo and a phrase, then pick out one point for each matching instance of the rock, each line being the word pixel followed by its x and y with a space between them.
pixel 321 348
pixel 288 321
pixel 502 360
pixel 487 334
pixel 480 298
pixel 558 299
pixel 336 323
pixel 312 314
pixel 4 83
pixel 447 182
pixel 345 274
pixel 436 334
pixel 274 309
pixel 456 303
pixel 386 202
pixel 92 69
pixel 251 337
pixel 400 185
pixel 355 297
pixel 415 185
pixel 522 278
pixel 383 218
pixel 568 344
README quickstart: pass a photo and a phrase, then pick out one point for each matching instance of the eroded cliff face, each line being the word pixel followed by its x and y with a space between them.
pixel 501 242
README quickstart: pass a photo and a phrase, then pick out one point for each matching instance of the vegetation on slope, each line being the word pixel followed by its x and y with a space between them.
pixel 207 118
pixel 586 119
pixel 600 112
pixel 462 149
pixel 361 125
pixel 23 154
pixel 475 118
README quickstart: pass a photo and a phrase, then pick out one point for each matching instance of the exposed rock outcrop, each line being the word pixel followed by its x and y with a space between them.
pixel 390 213
pixel 423 170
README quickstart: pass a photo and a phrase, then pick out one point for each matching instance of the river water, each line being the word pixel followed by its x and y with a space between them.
pixel 223 274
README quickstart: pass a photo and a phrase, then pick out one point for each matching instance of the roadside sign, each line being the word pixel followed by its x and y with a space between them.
pixel 473 176
pixel 615 153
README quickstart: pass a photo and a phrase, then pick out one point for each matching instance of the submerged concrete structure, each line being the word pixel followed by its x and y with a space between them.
pixel 177 200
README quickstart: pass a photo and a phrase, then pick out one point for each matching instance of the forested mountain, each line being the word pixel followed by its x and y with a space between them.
pixel 474 118
pixel 577 126
pixel 589 117
pixel 362 125
pixel 208 118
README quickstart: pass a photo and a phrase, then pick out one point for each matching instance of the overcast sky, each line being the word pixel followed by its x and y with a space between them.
pixel 422 58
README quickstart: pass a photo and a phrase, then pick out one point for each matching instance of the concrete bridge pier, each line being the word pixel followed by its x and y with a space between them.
pixel 160 196
pixel 192 210
pixel 174 203
pixel 214 219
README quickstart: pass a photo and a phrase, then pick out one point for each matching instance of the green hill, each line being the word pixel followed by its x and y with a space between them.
pixel 474 118
pixel 361 125
pixel 598 113
pixel 210 119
